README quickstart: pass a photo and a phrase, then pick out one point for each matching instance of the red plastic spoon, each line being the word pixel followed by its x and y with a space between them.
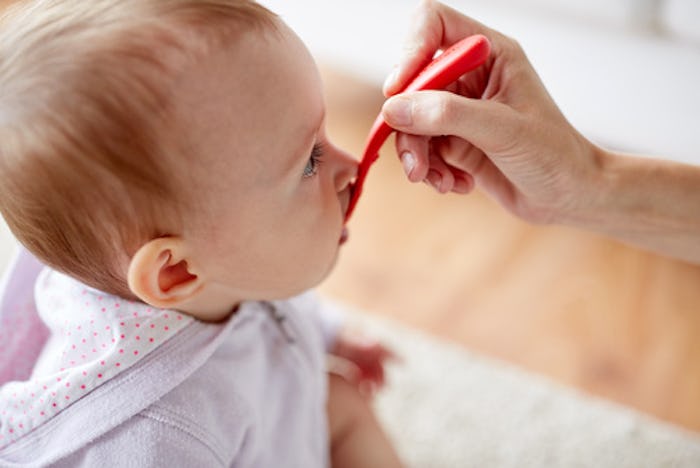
pixel 446 68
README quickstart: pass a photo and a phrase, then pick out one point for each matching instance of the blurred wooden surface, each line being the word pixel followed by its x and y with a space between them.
pixel 587 311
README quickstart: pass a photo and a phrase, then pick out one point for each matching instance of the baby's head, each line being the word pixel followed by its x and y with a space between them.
pixel 169 150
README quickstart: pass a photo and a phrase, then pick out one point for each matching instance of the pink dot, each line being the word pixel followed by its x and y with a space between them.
pixel 67 384
pixel 54 405
pixel 166 316
pixel 179 317
pixel 151 340
pixel 102 363
pixel 67 397
pixel 99 376
pixel 83 386
pixel 135 314
pixel 116 305
pixel 138 337
pixel 136 353
pixel 138 325
pixel 118 364
pixel 84 372
pixel 104 310
pixel 11 430
pixel 153 325
pixel 42 413
pixel 58 379
pixel 121 351
pixel 166 328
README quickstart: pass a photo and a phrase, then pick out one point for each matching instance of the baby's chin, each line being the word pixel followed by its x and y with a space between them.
pixel 326 272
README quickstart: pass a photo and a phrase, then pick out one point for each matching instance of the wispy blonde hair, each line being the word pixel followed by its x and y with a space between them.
pixel 85 92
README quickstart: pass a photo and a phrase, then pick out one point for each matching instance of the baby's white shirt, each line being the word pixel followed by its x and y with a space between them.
pixel 93 337
pixel 119 383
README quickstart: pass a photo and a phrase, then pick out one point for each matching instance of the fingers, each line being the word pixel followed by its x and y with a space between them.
pixel 435 26
pixel 414 152
pixel 488 125
pixel 427 159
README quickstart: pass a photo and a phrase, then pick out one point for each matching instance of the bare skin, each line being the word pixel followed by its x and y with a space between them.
pixel 499 129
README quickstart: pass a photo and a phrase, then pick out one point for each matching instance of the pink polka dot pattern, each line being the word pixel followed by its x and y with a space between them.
pixel 93 338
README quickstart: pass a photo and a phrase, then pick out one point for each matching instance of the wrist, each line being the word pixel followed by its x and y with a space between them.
pixel 604 192
pixel 651 203
pixel 589 188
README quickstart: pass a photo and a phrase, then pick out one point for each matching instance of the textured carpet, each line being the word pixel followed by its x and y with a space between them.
pixel 446 407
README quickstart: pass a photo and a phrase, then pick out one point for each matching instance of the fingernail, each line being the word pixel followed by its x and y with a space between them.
pixel 391 78
pixel 408 161
pixel 397 111
pixel 435 179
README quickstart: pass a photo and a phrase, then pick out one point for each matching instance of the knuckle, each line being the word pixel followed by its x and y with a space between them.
pixel 513 46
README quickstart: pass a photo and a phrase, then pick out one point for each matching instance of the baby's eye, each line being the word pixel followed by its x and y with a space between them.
pixel 314 160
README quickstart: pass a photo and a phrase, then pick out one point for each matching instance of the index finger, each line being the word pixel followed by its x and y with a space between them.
pixel 435 26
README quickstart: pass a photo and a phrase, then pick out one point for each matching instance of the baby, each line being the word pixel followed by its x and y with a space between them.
pixel 167 160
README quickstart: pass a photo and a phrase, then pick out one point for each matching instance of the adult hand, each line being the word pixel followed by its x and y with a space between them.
pixel 496 126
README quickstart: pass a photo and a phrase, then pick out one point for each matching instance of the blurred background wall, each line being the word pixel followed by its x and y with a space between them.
pixel 625 72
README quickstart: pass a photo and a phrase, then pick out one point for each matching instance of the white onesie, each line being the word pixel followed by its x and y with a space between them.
pixel 119 383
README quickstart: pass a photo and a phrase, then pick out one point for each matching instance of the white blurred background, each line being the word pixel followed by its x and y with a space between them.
pixel 625 72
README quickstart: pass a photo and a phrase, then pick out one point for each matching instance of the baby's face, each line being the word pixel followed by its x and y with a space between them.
pixel 275 190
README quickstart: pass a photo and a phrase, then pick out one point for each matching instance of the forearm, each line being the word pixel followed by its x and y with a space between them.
pixel 654 204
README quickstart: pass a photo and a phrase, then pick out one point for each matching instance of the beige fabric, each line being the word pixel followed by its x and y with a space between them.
pixel 446 407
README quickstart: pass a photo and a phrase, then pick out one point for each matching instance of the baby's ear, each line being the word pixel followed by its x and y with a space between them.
pixel 160 275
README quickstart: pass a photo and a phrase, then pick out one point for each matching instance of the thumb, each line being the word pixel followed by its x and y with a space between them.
pixel 486 124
